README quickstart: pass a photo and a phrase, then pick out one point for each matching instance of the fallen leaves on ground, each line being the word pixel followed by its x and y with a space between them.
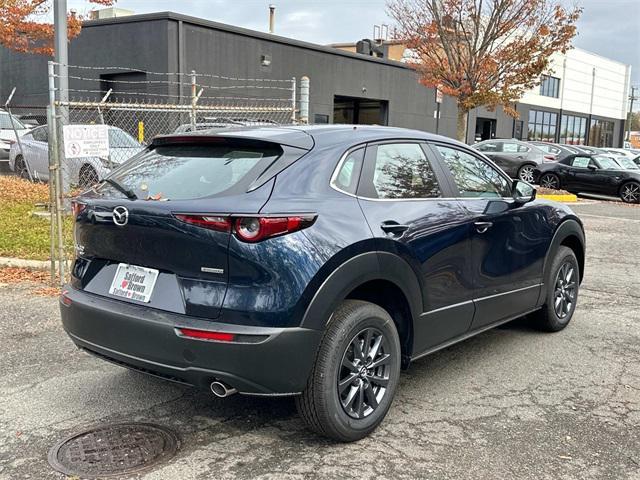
pixel 40 279
pixel 16 189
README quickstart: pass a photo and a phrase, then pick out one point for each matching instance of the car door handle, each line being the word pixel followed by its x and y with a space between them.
pixel 482 227
pixel 391 226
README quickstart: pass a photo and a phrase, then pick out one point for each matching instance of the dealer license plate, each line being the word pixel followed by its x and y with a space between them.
pixel 133 282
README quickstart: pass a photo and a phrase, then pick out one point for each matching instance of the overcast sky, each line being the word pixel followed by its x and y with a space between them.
pixel 608 27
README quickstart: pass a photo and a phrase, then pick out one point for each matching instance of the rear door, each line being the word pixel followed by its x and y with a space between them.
pixel 509 241
pixel 405 201
pixel 178 224
pixel 37 152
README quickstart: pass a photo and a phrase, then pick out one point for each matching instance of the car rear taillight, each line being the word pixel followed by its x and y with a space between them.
pixel 77 208
pixel 550 158
pixel 250 229
pixel 254 229
pixel 212 222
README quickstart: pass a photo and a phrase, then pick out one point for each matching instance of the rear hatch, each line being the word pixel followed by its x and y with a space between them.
pixel 137 220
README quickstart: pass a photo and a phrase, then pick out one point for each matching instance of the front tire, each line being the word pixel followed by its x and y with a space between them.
pixel 630 192
pixel 562 285
pixel 354 379
pixel 550 180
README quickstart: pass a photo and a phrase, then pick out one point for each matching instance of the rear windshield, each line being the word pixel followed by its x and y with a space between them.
pixel 181 172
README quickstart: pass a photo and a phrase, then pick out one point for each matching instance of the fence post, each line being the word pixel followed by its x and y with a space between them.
pixel 304 99
pixel 61 115
pixel 52 132
pixel 293 99
pixel 194 100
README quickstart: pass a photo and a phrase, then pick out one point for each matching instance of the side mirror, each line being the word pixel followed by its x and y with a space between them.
pixel 593 168
pixel 522 192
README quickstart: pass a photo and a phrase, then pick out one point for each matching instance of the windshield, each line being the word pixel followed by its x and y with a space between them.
pixel 121 139
pixel 180 172
pixel 5 122
pixel 607 163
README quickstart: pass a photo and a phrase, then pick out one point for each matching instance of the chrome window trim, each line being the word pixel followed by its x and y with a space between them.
pixel 344 156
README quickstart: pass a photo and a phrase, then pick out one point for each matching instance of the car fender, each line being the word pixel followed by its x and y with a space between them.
pixel 354 272
pixel 570 226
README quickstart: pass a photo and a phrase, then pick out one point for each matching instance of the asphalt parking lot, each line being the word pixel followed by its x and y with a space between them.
pixel 510 403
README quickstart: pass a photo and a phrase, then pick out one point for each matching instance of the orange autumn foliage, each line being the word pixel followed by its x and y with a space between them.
pixel 26 27
pixel 485 53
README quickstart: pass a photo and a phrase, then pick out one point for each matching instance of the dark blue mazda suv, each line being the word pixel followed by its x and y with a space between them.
pixel 311 261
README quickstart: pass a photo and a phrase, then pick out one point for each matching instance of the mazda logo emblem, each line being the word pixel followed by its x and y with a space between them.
pixel 120 216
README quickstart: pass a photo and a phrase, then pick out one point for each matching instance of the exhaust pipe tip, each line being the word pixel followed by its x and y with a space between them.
pixel 221 389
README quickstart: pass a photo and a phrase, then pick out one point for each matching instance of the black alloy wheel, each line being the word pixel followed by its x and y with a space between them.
pixel 630 192
pixel 550 180
pixel 364 375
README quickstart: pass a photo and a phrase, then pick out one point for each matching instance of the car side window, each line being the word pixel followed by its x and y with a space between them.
pixel 582 162
pixel 489 147
pixel 399 171
pixel 512 147
pixel 40 134
pixel 472 176
pixel 346 178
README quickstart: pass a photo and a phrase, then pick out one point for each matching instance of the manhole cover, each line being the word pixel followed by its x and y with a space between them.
pixel 115 449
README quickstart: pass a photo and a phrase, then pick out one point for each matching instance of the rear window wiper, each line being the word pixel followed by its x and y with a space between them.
pixel 129 193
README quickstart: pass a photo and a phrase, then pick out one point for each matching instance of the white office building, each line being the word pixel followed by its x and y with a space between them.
pixel 584 101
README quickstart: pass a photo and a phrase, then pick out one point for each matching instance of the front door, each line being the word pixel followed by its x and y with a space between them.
pixel 402 195
pixel 509 241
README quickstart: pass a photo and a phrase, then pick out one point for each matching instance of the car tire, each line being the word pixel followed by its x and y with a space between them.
pixel 345 399
pixel 87 177
pixel 526 173
pixel 20 168
pixel 630 192
pixel 562 285
pixel 550 180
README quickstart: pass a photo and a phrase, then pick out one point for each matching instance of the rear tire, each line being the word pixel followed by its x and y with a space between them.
pixel 630 192
pixel 550 180
pixel 526 173
pixel 562 286
pixel 348 393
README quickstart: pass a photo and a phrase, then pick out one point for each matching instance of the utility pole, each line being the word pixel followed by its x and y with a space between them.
pixel 632 97
pixel 62 117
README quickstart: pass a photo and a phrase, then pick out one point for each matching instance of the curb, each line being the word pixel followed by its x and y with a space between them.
pixel 569 198
pixel 22 263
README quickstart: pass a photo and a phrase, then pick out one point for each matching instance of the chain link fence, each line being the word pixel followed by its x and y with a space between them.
pixel 134 106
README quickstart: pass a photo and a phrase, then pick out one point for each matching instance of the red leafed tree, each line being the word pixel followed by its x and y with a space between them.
pixel 484 52
pixel 25 25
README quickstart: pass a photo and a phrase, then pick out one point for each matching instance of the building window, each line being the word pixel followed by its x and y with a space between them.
pixel 550 86
pixel 518 127
pixel 542 126
pixel 573 130
pixel 601 133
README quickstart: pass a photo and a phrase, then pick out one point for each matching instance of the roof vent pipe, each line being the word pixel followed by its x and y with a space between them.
pixel 272 18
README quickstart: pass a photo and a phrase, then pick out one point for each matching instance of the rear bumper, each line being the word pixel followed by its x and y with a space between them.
pixel 145 339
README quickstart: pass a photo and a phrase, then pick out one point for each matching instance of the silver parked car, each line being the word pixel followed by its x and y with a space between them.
pixel 83 172
pixel 518 159
pixel 7 134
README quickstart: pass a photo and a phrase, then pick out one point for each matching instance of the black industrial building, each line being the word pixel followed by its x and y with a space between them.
pixel 344 87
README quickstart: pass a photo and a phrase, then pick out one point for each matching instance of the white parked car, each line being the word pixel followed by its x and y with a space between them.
pixel 7 134
pixel 83 172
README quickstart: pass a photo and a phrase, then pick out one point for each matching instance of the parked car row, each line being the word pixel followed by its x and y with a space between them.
pixel 33 153
pixel 575 168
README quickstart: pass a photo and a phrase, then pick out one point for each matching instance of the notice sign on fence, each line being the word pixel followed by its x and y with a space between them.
pixel 86 141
